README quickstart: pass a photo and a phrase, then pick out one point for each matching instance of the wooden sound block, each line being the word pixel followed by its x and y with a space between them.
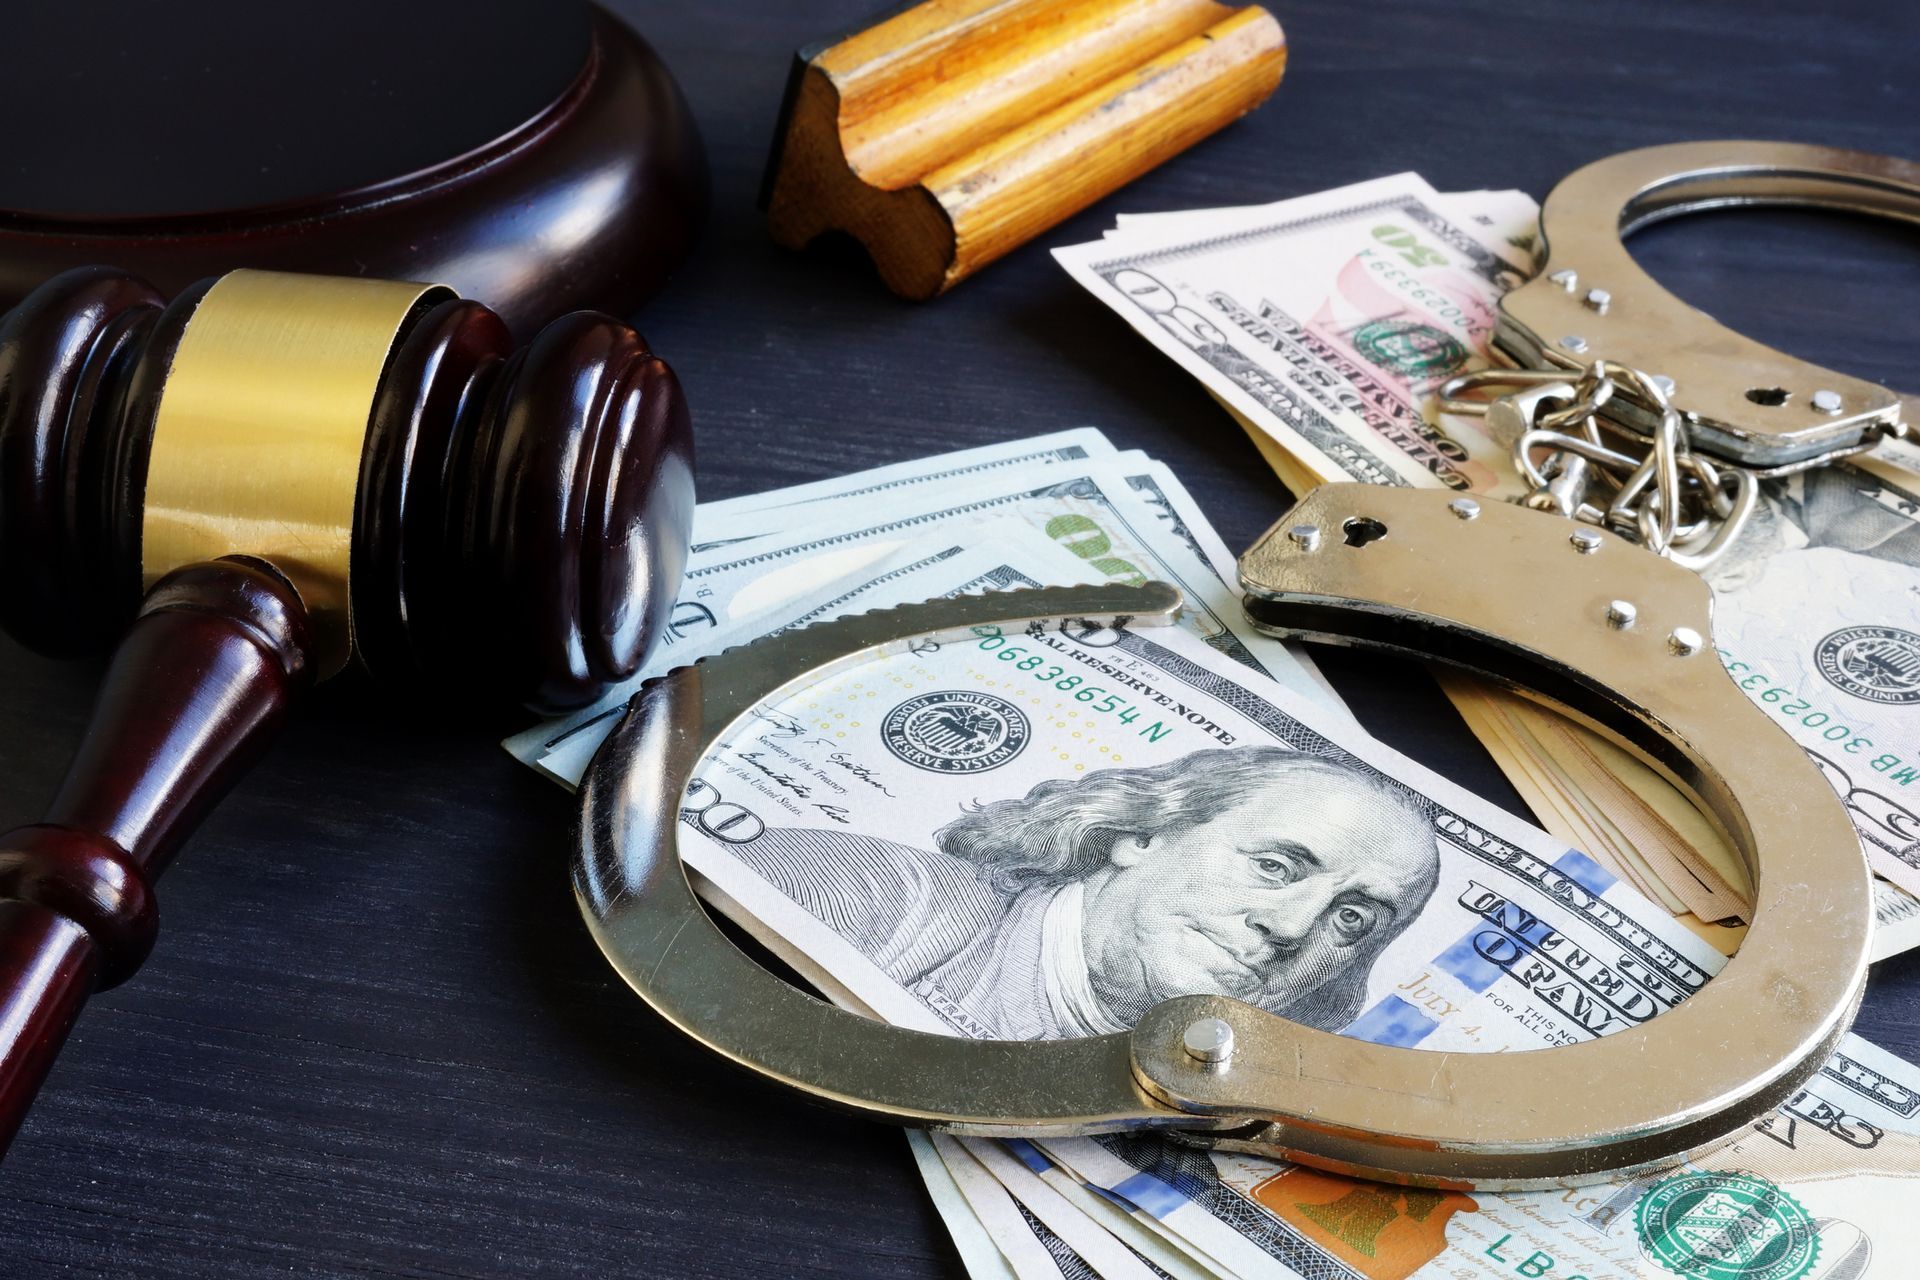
pixel 956 130
pixel 535 154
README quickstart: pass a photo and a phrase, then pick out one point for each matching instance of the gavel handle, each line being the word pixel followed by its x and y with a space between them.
pixel 193 696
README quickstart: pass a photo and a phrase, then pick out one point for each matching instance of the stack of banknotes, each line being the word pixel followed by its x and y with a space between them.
pixel 1041 833
pixel 1324 324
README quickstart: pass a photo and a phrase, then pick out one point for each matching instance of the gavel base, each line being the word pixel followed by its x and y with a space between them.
pixel 591 201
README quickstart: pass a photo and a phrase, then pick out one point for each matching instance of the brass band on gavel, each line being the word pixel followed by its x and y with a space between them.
pixel 295 471
pixel 257 441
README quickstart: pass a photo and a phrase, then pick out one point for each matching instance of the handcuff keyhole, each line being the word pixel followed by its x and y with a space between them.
pixel 1361 530
pixel 1772 397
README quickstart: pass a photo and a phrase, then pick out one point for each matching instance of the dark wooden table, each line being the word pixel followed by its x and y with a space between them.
pixel 375 1040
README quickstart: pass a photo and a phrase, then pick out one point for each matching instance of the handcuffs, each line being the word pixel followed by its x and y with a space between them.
pixel 1611 633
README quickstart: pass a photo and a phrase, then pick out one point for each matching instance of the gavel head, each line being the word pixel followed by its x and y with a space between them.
pixel 441 502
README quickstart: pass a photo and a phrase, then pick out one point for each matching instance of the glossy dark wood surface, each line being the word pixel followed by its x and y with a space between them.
pixel 520 515
pixel 592 198
pixel 144 89
pixel 513 506
pixel 80 359
pixel 509 502
pixel 373 1039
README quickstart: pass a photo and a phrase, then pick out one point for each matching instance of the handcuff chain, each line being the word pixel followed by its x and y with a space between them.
pixel 1662 494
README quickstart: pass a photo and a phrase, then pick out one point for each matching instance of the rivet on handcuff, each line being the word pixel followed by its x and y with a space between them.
pixel 1615 635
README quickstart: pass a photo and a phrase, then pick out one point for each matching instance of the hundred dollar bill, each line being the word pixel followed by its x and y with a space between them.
pixel 1896 921
pixel 1175 543
pixel 716 522
pixel 1121 519
pixel 1326 323
pixel 694 630
pixel 983 1259
pixel 777 523
pixel 1817 617
pixel 1029 1175
pixel 1049 842
pixel 1024 1246
pixel 1046 844
pixel 997 555
pixel 1038 1231
pixel 1815 610
pixel 1506 221
pixel 1127 523
pixel 1822 1189
pixel 1785 596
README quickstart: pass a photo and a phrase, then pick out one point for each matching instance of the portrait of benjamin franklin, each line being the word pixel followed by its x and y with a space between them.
pixel 1842 523
pixel 1268 875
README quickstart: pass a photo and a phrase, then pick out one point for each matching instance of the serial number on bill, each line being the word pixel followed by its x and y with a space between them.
pixel 1062 681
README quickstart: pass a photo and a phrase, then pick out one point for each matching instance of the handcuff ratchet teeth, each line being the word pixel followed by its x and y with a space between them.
pixel 1646 676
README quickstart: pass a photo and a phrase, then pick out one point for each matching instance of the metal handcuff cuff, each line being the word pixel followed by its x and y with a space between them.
pixel 1608 632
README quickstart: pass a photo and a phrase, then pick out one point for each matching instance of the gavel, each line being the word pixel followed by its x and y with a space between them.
pixel 253 486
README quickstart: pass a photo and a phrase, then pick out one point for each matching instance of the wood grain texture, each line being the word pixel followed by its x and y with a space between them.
pixel 374 1040
pixel 953 132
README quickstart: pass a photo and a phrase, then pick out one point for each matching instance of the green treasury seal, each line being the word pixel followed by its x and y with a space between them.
pixel 1726 1226
pixel 1408 348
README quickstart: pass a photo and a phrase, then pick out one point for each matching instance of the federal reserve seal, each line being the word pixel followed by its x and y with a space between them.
pixel 1726 1226
pixel 1409 348
pixel 956 731
pixel 1876 664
